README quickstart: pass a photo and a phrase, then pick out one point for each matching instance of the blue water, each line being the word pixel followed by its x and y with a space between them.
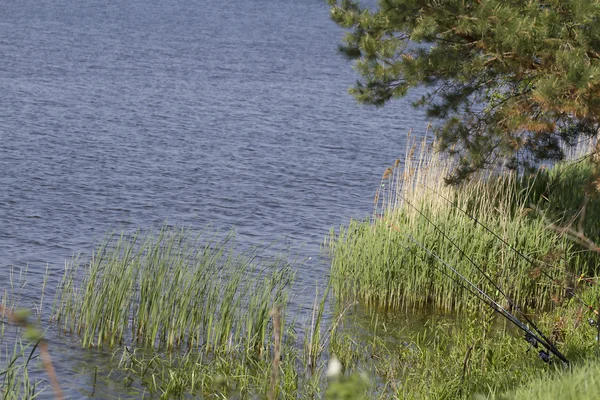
pixel 123 115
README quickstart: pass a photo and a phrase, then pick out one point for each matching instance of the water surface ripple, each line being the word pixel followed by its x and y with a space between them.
pixel 123 115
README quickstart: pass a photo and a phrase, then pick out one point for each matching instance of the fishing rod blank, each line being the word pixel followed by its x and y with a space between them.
pixel 530 336
pixel 546 342
pixel 530 260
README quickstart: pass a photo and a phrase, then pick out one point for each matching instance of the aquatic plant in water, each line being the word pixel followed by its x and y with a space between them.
pixel 171 290
pixel 377 260
pixel 485 242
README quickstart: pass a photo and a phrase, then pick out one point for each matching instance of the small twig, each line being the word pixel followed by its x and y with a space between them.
pixel 466 364
pixel 577 236
pixel 276 315
pixel 47 361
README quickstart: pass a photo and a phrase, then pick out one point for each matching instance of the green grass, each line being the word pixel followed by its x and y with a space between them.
pixel 377 261
pixel 189 315
pixel 582 383
pixel 21 342
pixel 171 290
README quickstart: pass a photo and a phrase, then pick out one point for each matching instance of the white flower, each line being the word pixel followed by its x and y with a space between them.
pixel 335 367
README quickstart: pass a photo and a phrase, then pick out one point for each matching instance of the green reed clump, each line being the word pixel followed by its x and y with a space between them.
pixel 171 290
pixel 378 261
pixel 193 317
pixel 15 381
pixel 24 352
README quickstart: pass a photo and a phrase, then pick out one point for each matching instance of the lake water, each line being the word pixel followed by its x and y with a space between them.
pixel 123 115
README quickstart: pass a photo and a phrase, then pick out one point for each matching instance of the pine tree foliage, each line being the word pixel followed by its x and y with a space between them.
pixel 505 78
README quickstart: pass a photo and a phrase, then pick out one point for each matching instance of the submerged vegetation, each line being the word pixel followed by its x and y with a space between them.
pixel 171 291
pixel 499 244
pixel 190 315
pixel 464 355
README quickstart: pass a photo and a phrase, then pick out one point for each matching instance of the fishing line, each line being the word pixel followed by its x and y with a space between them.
pixel 530 337
pixel 478 291
pixel 546 342
pixel 530 260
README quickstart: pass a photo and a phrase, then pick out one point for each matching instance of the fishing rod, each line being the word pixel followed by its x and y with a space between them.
pixel 532 338
pixel 483 296
pixel 545 342
pixel 530 260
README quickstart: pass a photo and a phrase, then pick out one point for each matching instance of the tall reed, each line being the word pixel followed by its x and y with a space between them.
pixel 171 290
pixel 22 342
pixel 15 380
pixel 378 261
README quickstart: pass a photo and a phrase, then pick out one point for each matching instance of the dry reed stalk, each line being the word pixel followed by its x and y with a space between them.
pixel 276 315
pixel 575 235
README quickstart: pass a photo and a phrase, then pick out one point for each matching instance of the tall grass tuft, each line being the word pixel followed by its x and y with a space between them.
pixel 172 290
pixel 580 384
pixel 15 380
pixel 194 317
pixel 377 261
pixel 22 343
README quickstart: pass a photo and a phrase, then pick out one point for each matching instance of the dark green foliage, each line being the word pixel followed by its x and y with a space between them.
pixel 510 80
